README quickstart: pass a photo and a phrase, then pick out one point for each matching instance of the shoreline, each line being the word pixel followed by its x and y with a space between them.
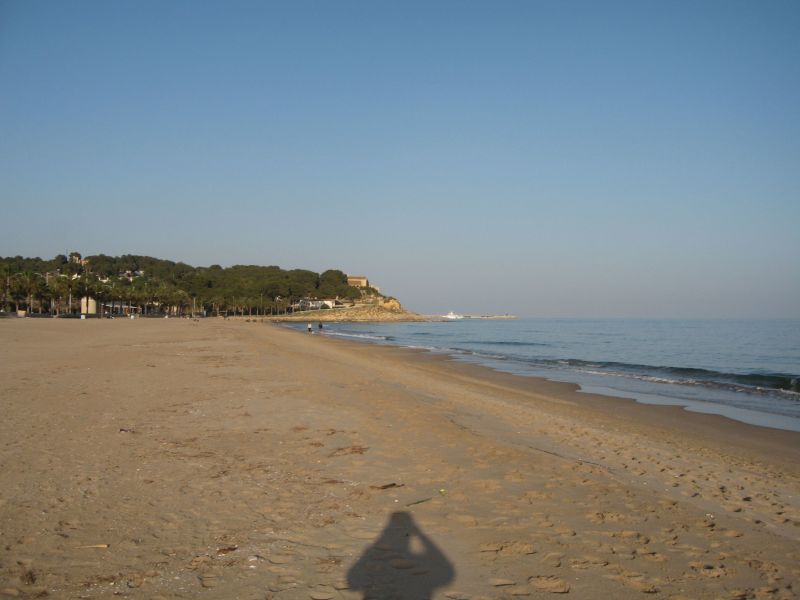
pixel 748 416
pixel 173 459
pixel 661 416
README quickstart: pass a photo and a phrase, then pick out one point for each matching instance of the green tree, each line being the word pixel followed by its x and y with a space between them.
pixel 18 291
pixel 5 285
pixel 59 290
pixel 154 284
pixel 29 281
pixel 40 292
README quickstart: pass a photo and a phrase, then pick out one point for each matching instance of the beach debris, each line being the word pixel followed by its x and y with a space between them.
pixel 732 533
pixel 386 486
pixel 94 546
pixel 419 501
pixel 708 522
pixel 227 549
pixel 28 577
pixel 442 492
pixel 126 430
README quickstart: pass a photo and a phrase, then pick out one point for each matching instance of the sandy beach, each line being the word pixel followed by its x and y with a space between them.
pixel 233 459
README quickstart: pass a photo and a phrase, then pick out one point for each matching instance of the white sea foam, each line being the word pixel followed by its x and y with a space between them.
pixel 362 336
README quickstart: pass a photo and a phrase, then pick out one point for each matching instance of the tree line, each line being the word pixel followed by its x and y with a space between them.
pixel 150 285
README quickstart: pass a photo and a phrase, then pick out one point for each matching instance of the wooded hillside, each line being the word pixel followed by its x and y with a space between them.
pixel 155 285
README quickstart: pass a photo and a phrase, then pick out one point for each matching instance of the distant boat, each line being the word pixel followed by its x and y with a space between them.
pixel 453 316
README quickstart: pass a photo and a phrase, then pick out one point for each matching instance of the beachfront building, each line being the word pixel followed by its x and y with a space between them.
pixel 88 306
pixel 314 304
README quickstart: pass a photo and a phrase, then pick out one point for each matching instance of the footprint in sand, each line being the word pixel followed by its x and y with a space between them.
pixel 553 559
pixel 709 570
pixel 505 549
pixel 636 581
pixel 548 583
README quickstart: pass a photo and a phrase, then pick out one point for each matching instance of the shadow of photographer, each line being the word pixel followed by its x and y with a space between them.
pixel 402 564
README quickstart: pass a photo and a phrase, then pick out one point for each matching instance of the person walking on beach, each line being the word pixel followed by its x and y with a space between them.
pixel 309 328
pixel 320 326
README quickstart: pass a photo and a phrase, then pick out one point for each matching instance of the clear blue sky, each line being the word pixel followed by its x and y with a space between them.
pixel 633 159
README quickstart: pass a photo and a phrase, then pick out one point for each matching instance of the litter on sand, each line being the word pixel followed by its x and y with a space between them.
pixel 386 486
pixel 418 501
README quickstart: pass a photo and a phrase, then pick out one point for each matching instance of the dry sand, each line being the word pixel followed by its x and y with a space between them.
pixel 221 459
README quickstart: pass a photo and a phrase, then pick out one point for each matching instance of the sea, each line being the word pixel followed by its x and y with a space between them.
pixel 747 370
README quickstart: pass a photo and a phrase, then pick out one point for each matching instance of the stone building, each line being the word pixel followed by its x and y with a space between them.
pixel 357 281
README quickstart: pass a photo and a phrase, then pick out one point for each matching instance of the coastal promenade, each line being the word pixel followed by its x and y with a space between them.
pixel 233 459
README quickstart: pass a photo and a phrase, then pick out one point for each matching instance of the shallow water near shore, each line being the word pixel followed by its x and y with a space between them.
pixel 747 370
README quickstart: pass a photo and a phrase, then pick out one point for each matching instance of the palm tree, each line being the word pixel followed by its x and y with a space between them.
pixel 69 287
pixel 28 282
pixel 102 292
pixel 161 295
pixel 182 300
pixel 117 293
pixel 41 291
pixel 60 287
pixel 143 294
pixel 17 291
pixel 129 293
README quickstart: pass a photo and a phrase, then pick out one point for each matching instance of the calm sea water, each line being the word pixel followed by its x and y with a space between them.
pixel 746 370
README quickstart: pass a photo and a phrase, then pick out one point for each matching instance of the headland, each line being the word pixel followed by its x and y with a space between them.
pixel 381 310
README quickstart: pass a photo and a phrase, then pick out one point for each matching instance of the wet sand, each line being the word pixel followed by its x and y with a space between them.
pixel 222 459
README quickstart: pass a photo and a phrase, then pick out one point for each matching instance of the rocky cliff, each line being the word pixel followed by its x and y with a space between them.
pixel 384 309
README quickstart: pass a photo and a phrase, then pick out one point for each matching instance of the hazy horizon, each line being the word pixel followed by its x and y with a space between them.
pixel 547 159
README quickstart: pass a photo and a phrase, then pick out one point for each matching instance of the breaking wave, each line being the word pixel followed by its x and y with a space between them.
pixel 750 382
